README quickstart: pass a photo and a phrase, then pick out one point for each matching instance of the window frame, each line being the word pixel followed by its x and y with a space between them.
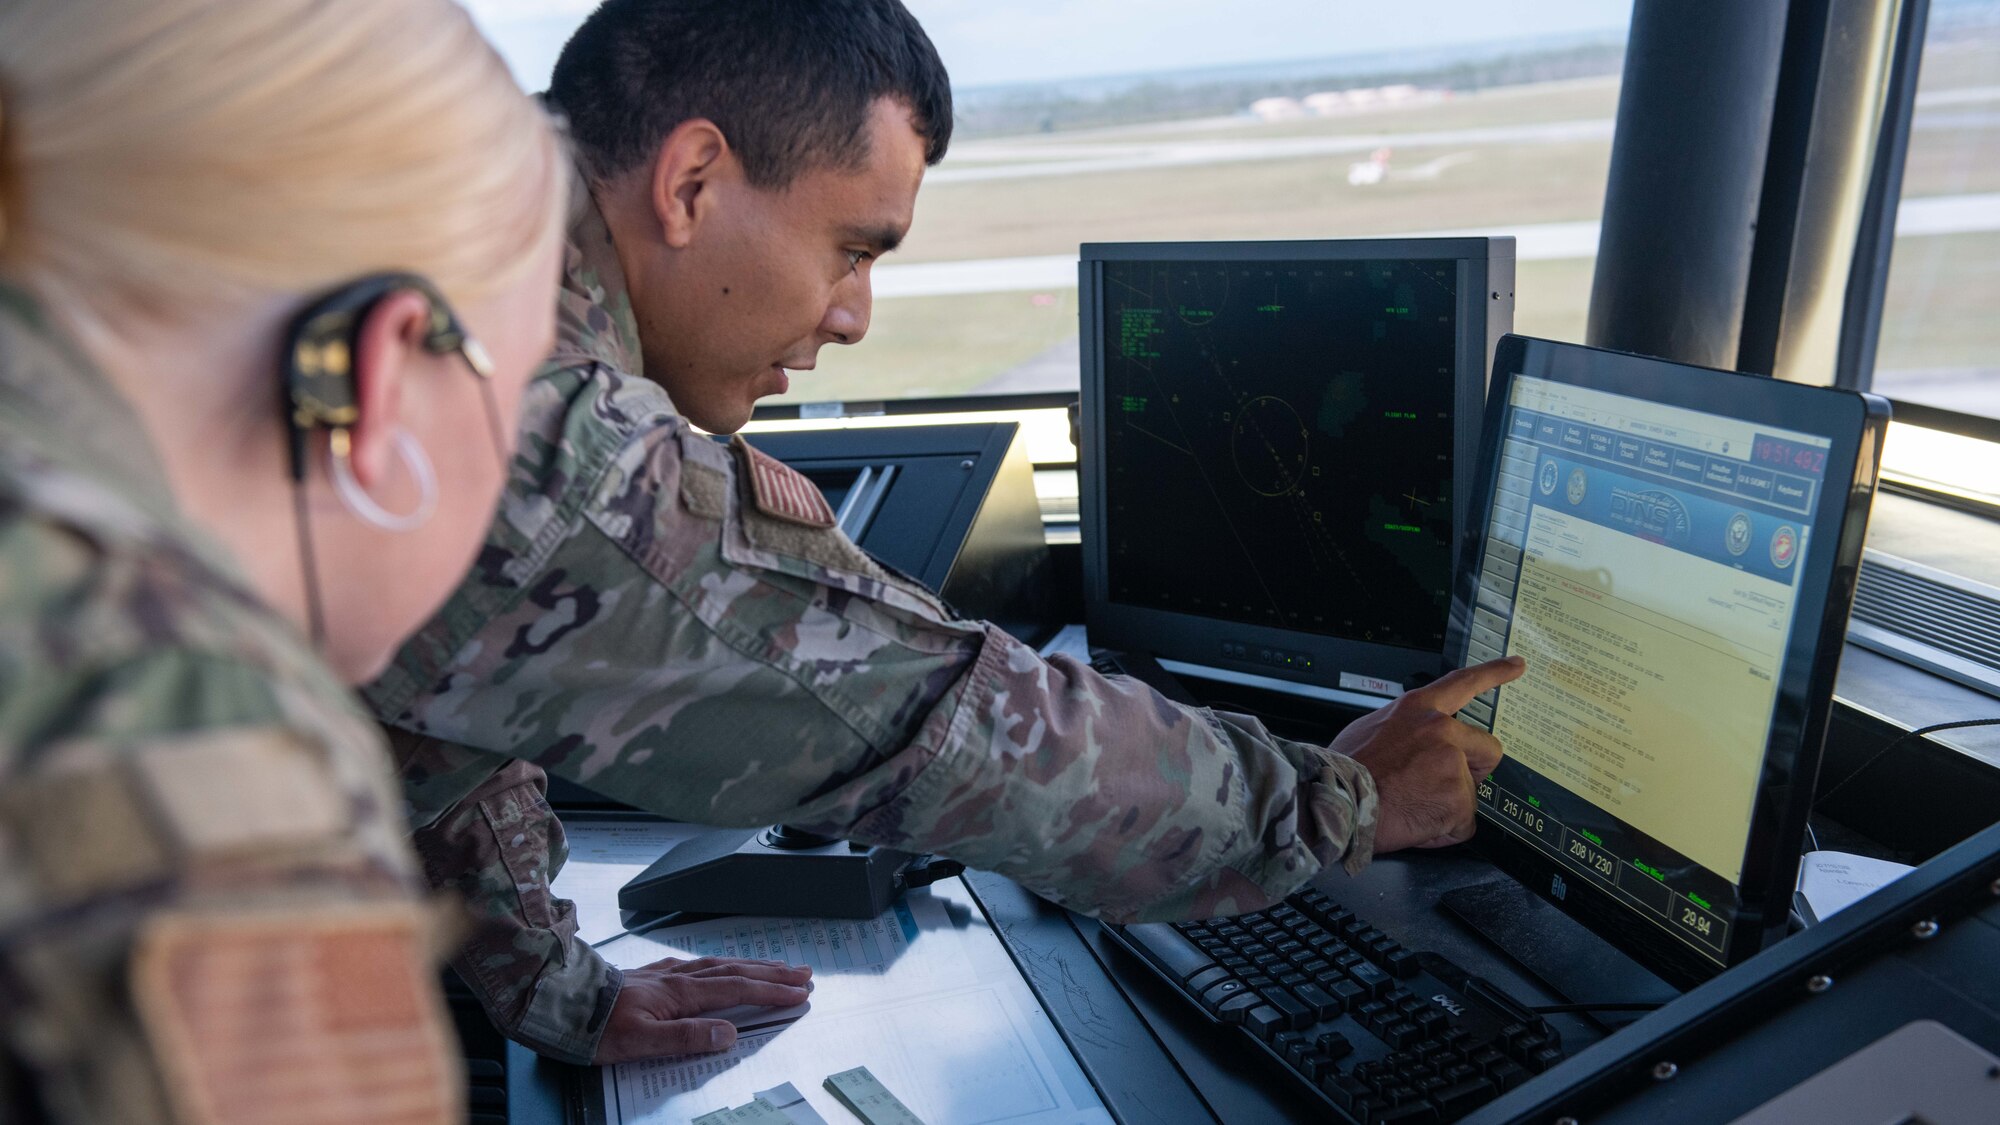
pixel 1874 251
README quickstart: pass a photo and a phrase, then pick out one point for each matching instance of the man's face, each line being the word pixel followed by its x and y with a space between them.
pixel 770 276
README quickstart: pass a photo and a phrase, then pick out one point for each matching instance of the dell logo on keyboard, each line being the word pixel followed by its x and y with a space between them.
pixel 1556 887
pixel 1448 1004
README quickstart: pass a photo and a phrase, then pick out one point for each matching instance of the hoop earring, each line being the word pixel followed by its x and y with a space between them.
pixel 363 506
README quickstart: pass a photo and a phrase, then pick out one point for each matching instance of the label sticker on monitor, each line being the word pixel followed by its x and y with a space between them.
pixel 1375 685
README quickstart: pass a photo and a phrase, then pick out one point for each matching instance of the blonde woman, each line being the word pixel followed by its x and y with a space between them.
pixel 273 275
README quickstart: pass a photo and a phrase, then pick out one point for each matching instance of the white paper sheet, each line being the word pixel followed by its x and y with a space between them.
pixel 924 996
pixel 1070 640
pixel 1834 881
pixel 604 855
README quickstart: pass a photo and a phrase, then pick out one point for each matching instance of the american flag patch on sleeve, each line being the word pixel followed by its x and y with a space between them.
pixel 781 492
pixel 310 1016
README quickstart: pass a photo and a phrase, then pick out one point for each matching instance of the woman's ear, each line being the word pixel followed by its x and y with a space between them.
pixel 388 348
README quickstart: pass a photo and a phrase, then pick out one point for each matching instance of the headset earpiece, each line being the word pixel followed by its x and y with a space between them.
pixel 319 392
pixel 319 356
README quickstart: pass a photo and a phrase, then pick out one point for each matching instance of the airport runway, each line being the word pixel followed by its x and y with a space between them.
pixel 1073 160
pixel 1937 215
pixel 1035 157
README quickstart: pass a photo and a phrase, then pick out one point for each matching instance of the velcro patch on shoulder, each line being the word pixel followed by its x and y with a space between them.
pixel 305 1017
pixel 243 791
pixel 704 490
pixel 704 472
pixel 85 829
pixel 781 492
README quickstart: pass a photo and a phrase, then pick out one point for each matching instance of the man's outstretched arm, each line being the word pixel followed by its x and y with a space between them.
pixel 686 651
pixel 679 648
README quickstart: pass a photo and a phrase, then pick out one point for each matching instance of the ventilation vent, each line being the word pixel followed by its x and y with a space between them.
pixel 1936 621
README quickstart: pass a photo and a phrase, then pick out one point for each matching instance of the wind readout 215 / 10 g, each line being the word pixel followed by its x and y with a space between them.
pixel 1527 816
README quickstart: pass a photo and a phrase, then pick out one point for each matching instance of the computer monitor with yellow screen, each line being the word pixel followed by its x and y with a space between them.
pixel 1673 549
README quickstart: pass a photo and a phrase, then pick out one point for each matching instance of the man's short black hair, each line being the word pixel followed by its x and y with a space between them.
pixel 789 82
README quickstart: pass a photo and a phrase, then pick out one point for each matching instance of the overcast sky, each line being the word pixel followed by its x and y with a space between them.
pixel 990 41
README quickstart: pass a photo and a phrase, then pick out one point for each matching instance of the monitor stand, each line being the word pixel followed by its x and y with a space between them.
pixel 1554 948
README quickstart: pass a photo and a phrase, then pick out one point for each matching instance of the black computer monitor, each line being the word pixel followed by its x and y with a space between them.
pixel 1674 550
pixel 1277 452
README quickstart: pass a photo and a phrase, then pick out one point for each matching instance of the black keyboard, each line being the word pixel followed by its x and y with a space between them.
pixel 1377 1032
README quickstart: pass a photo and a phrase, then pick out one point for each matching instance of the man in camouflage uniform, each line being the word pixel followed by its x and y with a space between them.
pixel 679 625
pixel 208 911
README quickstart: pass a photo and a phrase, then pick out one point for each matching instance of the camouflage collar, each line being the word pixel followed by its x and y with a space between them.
pixel 594 318
pixel 55 403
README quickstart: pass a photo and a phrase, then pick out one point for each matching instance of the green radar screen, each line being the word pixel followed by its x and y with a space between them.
pixel 1278 443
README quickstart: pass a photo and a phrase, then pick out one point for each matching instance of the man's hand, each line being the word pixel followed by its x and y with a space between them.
pixel 1425 762
pixel 651 1016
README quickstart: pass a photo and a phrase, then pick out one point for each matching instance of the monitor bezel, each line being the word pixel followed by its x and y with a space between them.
pixel 1855 424
pixel 1484 312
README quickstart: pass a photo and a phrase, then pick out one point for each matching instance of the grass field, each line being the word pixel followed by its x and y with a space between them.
pixel 918 347
pixel 1942 291
pixel 1940 307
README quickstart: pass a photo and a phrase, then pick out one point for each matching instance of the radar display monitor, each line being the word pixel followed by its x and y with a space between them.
pixel 1278 452
pixel 1674 550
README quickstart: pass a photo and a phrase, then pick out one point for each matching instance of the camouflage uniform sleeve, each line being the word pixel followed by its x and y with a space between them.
pixel 498 850
pixel 1099 794
pixel 685 650
pixel 154 884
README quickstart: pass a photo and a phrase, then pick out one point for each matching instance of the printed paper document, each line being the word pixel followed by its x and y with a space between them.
pixel 923 995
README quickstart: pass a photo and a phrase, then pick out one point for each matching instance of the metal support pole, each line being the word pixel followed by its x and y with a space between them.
pixel 1687 164
pixel 1830 190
